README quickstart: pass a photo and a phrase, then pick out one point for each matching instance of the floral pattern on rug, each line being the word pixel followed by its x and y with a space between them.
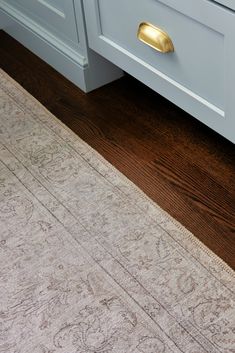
pixel 88 264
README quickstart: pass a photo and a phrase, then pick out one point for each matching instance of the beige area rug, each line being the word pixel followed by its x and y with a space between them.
pixel 88 264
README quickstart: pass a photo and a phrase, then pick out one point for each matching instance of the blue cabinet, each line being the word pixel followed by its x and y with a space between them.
pixel 92 41
pixel 55 30
pixel 198 75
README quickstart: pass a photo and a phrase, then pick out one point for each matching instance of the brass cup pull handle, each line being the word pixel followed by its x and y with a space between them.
pixel 155 38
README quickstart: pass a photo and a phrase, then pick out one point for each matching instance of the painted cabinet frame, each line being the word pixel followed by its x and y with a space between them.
pixel 72 58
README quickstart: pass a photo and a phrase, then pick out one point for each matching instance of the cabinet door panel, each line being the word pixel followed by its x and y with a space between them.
pixel 57 16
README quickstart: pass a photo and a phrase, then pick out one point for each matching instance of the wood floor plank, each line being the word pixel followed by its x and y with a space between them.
pixel 184 166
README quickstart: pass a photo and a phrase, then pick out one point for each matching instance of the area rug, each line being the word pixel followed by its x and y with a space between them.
pixel 89 264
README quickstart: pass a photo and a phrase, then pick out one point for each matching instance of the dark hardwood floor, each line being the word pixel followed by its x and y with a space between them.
pixel 188 169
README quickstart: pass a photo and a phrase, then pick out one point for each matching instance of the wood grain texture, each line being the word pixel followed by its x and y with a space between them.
pixel 181 164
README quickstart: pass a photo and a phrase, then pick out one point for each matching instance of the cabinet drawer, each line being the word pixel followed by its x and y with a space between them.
pixel 194 76
pixel 57 16
pixel 228 3
pixel 193 64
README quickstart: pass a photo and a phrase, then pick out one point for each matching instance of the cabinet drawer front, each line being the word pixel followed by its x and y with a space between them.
pixel 194 75
pixel 57 16
pixel 228 3
pixel 192 64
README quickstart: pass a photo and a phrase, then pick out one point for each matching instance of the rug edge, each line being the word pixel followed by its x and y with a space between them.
pixel 220 262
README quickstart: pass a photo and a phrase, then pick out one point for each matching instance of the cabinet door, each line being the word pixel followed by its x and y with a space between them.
pixel 57 16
